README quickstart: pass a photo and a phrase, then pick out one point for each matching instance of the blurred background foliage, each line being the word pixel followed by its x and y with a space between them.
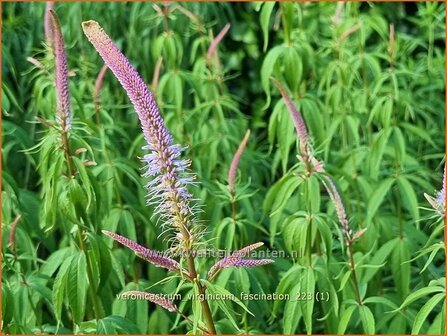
pixel 369 79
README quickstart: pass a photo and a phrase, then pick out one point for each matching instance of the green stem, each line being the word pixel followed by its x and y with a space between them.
pixel 233 215
pixel 92 289
pixel 285 26
pixel 354 275
pixel 309 242
pixel 193 276
pixel 202 289
pixel 109 161
pixel 66 149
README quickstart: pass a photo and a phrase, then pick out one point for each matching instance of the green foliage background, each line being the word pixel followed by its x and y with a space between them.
pixel 375 110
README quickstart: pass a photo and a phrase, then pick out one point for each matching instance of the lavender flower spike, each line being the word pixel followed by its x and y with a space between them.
pixel 155 298
pixel 439 202
pixel 235 259
pixel 63 115
pixel 213 46
pixel 98 86
pixel 297 118
pixel 251 262
pixel 48 27
pixel 440 196
pixel 235 162
pixel 167 188
pixel 151 256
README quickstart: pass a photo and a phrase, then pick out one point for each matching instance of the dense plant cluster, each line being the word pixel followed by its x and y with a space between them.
pixel 304 140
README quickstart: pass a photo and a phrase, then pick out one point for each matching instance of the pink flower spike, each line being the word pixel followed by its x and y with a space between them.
pixel 150 256
pixel 213 46
pixel 251 262
pixel 234 258
pixel 48 26
pixel 297 118
pixel 339 206
pixel 169 174
pixel 235 162
pixel 98 86
pixel 63 114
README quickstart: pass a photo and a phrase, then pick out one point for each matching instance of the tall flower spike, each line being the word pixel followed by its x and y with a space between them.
pixel 168 187
pixel 150 256
pixel 297 118
pixel 48 26
pixel 63 114
pixel 98 87
pixel 338 204
pixel 235 259
pixel 213 46
pixel 155 298
pixel 235 162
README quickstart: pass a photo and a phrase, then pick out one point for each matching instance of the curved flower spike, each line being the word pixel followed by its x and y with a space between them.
pixel 213 46
pixel 168 187
pixel 235 162
pixel 63 114
pixel 150 256
pixel 297 118
pixel 155 298
pixel 98 86
pixel 235 259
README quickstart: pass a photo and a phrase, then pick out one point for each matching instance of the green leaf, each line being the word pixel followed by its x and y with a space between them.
pixel 344 280
pixel 124 324
pixel 421 293
pixel 345 318
pixel 267 70
pixel 105 327
pixel 422 315
pixel 378 197
pixel 77 287
pixel 368 321
pixel 225 293
pixel 307 306
pixel 377 151
pixel 59 287
pixel 380 300
pixel 266 12
pixel 400 267
pixel 399 144
pixel 214 289
pixel 409 197
pixel 379 258
pixel 280 193
pixel 292 311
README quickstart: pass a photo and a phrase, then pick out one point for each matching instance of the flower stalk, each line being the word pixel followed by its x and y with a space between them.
pixel 235 162
pixel 313 165
pixel 212 49
pixel 63 119
pixel 232 174
pixel 169 177
pixel 63 113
